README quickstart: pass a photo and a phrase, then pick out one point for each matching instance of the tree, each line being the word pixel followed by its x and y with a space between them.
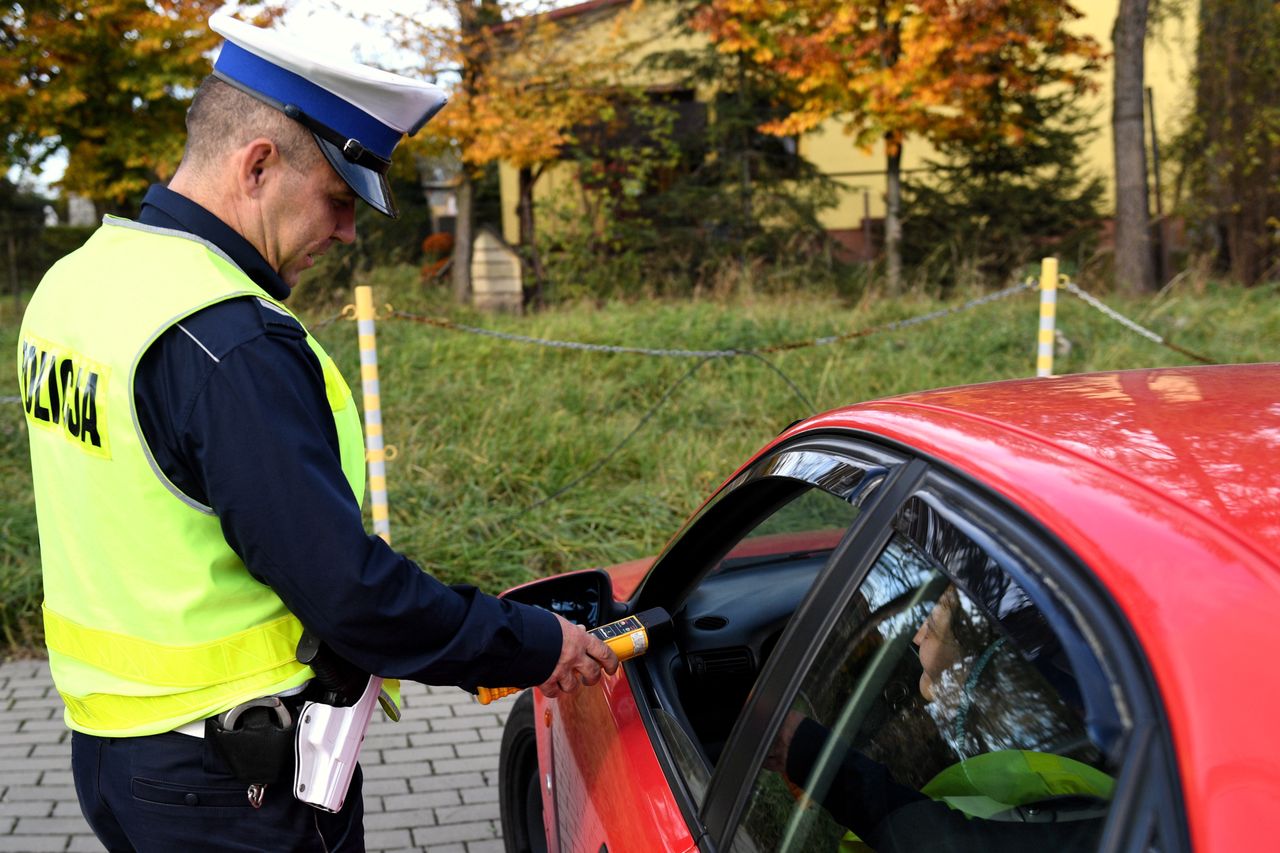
pixel 108 81
pixel 890 69
pixel 1135 270
pixel 21 221
pixel 753 190
pixel 990 208
pixel 520 93
pixel 1230 150
pixel 475 17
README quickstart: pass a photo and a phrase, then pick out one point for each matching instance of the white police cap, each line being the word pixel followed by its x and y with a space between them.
pixel 358 114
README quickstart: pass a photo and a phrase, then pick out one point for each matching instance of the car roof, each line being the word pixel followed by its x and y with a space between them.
pixel 1206 438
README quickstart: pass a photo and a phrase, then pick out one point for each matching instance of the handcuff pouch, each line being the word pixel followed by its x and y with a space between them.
pixel 256 739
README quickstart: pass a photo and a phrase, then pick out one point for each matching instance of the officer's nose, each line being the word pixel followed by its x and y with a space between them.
pixel 344 229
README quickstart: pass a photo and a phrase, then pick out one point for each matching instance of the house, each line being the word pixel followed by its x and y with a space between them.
pixel 650 28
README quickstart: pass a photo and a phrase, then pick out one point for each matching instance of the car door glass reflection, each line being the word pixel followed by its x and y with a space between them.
pixel 941 714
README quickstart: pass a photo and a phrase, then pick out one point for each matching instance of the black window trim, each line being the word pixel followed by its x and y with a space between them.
pixel 720 519
pixel 745 750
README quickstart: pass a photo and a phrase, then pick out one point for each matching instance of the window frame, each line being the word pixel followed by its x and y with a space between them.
pixel 1148 798
pixel 723 520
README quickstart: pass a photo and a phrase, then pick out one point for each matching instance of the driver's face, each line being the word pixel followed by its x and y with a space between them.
pixel 939 650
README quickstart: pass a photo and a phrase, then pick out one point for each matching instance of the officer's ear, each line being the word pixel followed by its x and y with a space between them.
pixel 254 163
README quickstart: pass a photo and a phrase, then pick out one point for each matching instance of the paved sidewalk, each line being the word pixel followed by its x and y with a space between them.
pixel 430 780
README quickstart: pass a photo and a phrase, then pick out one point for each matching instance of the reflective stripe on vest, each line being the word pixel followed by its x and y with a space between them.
pixel 249 652
pixel 151 619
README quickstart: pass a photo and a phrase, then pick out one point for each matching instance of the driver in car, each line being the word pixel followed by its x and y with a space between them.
pixel 1000 795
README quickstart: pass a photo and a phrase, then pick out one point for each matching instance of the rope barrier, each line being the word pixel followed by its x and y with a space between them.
pixel 604 460
pixel 760 352
pixel 895 325
pixel 1099 305
pixel 703 356
pixel 330 320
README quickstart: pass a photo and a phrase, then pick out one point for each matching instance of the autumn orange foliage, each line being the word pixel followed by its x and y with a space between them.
pixel 892 68
pixel 438 249
pixel 943 70
pixel 109 81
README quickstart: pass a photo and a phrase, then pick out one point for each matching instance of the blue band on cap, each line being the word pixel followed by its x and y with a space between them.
pixel 286 87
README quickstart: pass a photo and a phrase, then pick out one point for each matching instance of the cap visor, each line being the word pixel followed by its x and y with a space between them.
pixel 366 183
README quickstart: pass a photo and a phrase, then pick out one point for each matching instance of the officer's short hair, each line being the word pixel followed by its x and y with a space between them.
pixel 221 119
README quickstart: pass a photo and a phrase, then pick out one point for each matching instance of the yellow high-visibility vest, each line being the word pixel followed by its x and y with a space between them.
pixel 151 619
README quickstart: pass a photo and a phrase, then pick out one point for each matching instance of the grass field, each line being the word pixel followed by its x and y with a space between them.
pixel 489 432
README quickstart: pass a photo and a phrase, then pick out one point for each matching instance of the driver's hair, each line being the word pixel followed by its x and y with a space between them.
pixel 221 119
pixel 1008 704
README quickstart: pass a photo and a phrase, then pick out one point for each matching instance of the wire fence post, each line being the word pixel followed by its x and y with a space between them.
pixel 1048 312
pixel 375 452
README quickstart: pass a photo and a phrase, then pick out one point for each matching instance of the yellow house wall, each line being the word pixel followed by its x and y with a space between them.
pixel 1169 60
pixel 647 28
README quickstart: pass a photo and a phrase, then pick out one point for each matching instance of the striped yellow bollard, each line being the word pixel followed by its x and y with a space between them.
pixel 375 451
pixel 1048 312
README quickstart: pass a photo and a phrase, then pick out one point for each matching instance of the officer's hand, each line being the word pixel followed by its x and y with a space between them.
pixel 582 660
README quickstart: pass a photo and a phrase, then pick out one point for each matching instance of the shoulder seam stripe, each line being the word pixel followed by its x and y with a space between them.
pixel 216 360
pixel 276 308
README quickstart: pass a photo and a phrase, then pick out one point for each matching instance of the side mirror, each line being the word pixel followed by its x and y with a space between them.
pixel 585 597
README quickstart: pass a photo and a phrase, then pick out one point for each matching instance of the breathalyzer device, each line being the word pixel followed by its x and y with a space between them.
pixel 627 637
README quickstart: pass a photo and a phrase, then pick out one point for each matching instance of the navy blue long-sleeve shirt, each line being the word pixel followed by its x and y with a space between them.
pixel 232 402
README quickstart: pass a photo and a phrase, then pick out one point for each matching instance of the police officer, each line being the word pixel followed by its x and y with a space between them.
pixel 198 468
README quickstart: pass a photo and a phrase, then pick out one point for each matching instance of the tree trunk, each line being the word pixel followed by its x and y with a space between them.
pixel 893 215
pixel 533 294
pixel 13 273
pixel 462 239
pixel 1134 268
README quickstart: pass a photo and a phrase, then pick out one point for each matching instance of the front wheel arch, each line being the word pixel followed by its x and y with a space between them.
pixel 519 781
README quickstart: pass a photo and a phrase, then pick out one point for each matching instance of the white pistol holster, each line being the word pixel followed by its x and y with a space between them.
pixel 329 741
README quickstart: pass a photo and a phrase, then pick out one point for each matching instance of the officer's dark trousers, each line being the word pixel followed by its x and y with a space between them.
pixel 172 792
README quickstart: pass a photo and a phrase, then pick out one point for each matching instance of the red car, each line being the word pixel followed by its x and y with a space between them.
pixel 1029 615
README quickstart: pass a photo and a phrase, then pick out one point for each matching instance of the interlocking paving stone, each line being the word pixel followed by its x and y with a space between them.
pixel 428 836
pixel 493 846
pixel 429 779
pixel 454 781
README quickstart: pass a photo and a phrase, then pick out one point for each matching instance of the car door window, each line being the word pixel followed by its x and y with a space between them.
pixel 941 713
pixel 729 623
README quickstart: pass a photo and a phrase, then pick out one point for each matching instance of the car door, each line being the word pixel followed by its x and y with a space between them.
pixel 628 764
pixel 955 680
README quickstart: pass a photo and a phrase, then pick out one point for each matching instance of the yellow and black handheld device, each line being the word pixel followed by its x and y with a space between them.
pixel 629 638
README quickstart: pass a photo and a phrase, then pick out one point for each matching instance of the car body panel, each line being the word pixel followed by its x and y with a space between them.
pixel 1133 511
pixel 607 787
pixel 627 576
pixel 1164 483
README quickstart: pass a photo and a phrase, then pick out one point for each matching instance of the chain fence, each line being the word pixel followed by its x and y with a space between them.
pixel 895 325
pixel 1094 302
pixel 760 353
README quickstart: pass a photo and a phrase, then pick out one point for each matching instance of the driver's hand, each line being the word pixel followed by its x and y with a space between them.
pixel 583 658
pixel 776 759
